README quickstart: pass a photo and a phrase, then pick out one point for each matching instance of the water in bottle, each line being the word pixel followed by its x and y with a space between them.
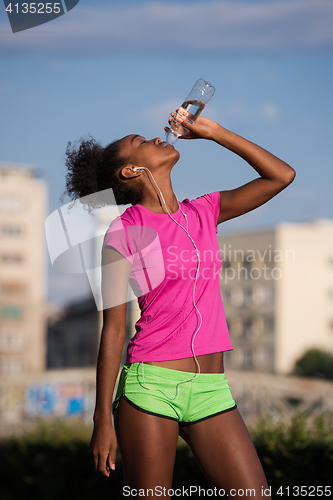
pixel 191 108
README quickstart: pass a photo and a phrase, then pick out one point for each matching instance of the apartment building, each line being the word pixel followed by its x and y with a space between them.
pixel 277 289
pixel 23 199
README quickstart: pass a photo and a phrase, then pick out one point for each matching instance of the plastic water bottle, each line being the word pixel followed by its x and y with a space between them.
pixel 191 108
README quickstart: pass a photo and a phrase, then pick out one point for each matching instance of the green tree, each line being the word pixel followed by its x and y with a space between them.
pixel 315 363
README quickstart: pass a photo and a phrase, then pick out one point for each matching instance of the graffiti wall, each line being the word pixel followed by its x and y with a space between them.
pixel 21 402
pixel 60 399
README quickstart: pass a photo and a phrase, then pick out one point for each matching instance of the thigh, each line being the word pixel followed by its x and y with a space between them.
pixel 226 454
pixel 147 444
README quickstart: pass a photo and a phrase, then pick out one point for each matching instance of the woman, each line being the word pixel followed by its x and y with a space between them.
pixel 173 382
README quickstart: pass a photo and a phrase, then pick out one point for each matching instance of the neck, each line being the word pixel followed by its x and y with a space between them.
pixel 153 200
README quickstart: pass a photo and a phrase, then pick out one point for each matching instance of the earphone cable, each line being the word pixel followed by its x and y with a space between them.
pixel 193 296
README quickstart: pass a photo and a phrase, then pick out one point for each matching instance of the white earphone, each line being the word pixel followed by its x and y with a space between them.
pixel 195 282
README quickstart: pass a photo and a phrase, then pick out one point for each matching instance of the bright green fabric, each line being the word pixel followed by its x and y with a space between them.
pixel 204 396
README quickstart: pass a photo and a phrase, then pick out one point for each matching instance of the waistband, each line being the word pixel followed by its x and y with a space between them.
pixel 170 374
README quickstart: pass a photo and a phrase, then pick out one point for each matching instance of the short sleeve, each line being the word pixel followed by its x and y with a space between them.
pixel 210 201
pixel 141 246
pixel 117 237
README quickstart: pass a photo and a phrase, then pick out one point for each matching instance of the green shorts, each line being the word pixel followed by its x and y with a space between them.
pixel 205 396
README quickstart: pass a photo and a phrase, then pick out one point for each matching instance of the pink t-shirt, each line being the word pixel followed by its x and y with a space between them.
pixel 164 265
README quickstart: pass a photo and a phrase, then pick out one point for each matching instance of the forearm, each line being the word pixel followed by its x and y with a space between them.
pixel 266 164
pixel 108 363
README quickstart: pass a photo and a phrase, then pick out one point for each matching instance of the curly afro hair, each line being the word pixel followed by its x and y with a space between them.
pixel 93 169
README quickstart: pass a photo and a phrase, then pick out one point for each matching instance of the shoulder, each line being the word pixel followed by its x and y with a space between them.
pixel 127 218
pixel 116 234
pixel 209 202
pixel 129 232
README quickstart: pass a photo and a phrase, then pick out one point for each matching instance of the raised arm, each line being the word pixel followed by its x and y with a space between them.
pixel 115 275
pixel 275 174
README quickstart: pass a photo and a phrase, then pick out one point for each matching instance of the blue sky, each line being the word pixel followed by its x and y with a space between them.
pixel 111 69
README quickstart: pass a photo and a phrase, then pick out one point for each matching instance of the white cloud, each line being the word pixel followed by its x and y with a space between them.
pixel 175 27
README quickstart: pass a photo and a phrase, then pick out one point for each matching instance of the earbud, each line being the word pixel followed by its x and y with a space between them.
pixel 137 168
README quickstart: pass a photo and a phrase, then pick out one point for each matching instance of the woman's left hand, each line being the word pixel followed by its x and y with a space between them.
pixel 202 128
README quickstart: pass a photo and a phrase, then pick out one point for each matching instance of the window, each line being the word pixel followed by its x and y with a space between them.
pixel 11 204
pixel 10 366
pixel 226 296
pixel 264 358
pixel 9 230
pixel 269 323
pixel 226 265
pixel 11 258
pixel 258 326
pixel 247 358
pixel 269 293
pixel 11 340
pixel 248 261
pixel 237 297
pixel 248 296
pixel 237 358
pixel 258 295
pixel 248 326
pixel 11 312
pixel 236 326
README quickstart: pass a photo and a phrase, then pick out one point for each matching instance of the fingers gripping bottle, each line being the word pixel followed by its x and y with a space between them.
pixel 191 108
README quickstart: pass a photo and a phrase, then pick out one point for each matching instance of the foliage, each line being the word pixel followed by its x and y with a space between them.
pixel 52 461
pixel 298 453
pixel 315 363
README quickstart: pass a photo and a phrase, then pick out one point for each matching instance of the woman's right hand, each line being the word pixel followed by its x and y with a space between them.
pixel 202 128
pixel 103 447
